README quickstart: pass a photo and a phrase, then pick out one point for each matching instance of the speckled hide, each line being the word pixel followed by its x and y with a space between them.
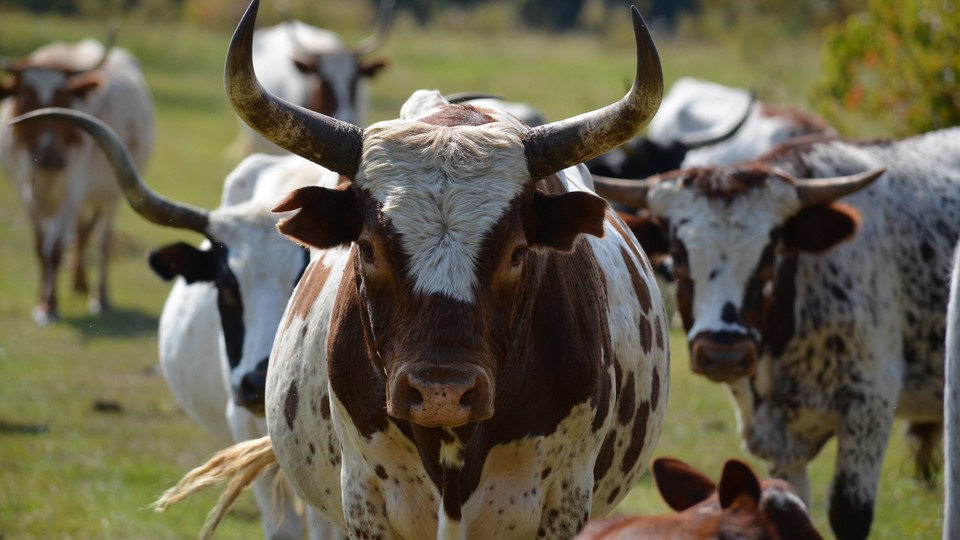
pixel 823 318
pixel 460 267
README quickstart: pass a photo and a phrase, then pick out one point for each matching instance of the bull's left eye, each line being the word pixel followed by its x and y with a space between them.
pixel 366 251
pixel 518 255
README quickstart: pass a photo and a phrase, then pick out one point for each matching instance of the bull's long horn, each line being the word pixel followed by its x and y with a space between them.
pixel 380 31
pixel 629 192
pixel 814 191
pixel 717 134
pixel 558 145
pixel 112 28
pixel 145 201
pixel 326 141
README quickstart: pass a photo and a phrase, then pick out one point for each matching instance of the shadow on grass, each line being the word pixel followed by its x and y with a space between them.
pixel 116 323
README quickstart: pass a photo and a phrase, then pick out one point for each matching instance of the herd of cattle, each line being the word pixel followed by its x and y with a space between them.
pixel 464 340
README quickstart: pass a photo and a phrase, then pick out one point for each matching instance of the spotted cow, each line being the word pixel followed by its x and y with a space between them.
pixel 823 318
pixel 313 68
pixel 741 507
pixel 478 348
pixel 951 409
pixel 64 184
pixel 218 322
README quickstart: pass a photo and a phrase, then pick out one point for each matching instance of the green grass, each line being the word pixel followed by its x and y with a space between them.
pixel 90 474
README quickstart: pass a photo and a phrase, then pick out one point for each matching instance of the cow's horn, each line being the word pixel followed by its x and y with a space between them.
pixel 108 44
pixel 329 142
pixel 145 201
pixel 629 192
pixel 558 145
pixel 720 133
pixel 380 31
pixel 814 191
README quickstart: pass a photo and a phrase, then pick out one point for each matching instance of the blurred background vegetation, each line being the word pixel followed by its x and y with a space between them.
pixel 884 62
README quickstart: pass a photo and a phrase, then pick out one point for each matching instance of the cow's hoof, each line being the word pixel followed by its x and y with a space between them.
pixel 98 306
pixel 44 316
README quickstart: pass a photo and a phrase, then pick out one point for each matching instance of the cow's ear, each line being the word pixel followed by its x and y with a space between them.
pixel 680 485
pixel 83 84
pixel 650 232
pixel 738 481
pixel 6 90
pixel 370 69
pixel 182 259
pixel 819 228
pixel 326 217
pixel 560 219
pixel 305 65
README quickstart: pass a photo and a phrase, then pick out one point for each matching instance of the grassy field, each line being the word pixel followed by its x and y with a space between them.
pixel 89 435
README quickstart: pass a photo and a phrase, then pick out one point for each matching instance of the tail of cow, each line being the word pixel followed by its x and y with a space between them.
pixel 951 409
pixel 239 466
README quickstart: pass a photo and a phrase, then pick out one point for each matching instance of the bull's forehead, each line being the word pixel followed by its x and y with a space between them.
pixel 44 83
pixel 723 237
pixel 443 188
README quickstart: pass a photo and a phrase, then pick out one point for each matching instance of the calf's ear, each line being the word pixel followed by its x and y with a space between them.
pixel 816 229
pixel 326 217
pixel 738 482
pixel 650 232
pixel 182 259
pixel 559 219
pixel 680 485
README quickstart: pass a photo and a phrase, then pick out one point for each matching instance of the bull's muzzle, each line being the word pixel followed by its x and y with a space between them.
pixel 433 396
pixel 723 357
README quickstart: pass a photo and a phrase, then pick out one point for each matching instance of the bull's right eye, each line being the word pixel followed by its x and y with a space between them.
pixel 366 251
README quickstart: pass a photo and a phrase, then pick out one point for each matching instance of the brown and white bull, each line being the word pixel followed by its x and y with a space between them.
pixel 65 185
pixel 478 348
pixel 822 318
pixel 313 68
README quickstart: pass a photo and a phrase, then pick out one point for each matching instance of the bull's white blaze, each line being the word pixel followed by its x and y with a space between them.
pixel 723 243
pixel 44 82
pixel 443 189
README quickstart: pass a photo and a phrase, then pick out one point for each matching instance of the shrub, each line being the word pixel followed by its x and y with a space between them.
pixel 894 63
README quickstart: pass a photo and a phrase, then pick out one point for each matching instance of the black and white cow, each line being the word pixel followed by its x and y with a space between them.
pixel 823 318
pixel 478 348
pixel 218 323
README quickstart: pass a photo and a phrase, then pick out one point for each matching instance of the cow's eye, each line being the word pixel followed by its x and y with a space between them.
pixel 366 251
pixel 518 255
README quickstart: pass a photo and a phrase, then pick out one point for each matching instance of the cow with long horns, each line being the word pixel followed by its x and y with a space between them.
pixel 218 323
pixel 478 348
pixel 65 186
pixel 823 318
pixel 313 68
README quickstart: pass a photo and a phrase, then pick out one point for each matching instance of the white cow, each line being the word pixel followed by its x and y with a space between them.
pixel 66 187
pixel 218 323
pixel 694 106
pixel 311 67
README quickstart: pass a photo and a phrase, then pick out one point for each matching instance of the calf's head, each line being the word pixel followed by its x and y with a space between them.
pixel 733 234
pixel 446 224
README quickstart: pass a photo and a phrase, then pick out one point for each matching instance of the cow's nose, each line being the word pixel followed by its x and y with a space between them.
pixel 250 394
pixel 49 159
pixel 723 357
pixel 437 396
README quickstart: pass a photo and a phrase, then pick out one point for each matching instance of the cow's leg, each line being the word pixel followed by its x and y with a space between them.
pixel 46 310
pixel 925 439
pixel 319 528
pixel 861 443
pixel 84 228
pixel 101 300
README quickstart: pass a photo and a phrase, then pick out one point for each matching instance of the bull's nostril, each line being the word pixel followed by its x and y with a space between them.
pixel 468 398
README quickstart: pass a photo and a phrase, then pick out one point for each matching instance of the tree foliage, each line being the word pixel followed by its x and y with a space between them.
pixel 897 62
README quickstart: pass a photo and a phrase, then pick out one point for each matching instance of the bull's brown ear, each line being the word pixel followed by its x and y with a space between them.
pixel 560 219
pixel 818 228
pixel 84 83
pixel 738 481
pixel 371 68
pixel 680 485
pixel 182 259
pixel 649 231
pixel 326 217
